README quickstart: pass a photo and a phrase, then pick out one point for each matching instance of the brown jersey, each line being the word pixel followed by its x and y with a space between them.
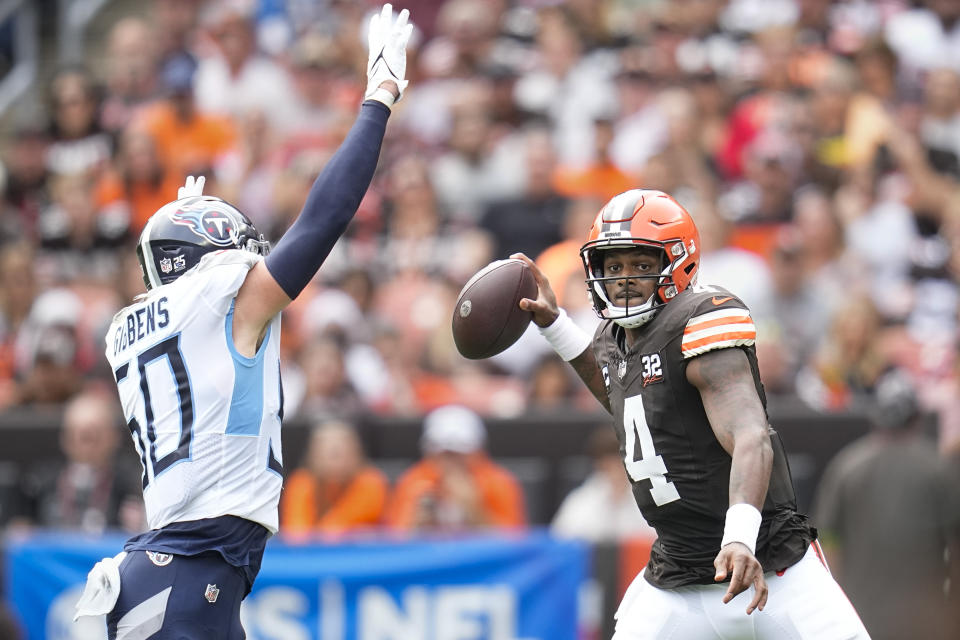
pixel 679 471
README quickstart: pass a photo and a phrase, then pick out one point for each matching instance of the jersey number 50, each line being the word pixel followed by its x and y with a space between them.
pixel 146 439
pixel 650 466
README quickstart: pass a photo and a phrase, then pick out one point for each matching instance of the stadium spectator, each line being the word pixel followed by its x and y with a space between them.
pixel 335 490
pixel 683 165
pixel 534 220
pixel 849 360
pixel 742 272
pixel 939 130
pixel 92 489
pixel 17 291
pixel 561 261
pixel 79 242
pixel 236 78
pixel 188 139
pixel 77 145
pixel 413 238
pixel 889 487
pixel 468 176
pixel 325 389
pixel 138 183
pixel 130 70
pixel 52 352
pixel 455 486
pixel 819 224
pixel 602 508
pixel 320 77
pixel 24 184
pixel 551 387
pixel 568 86
pixel 640 131
pixel 600 178
pixel 175 29
pixel 926 36
pixel 798 320
pixel 248 173
pixel 466 31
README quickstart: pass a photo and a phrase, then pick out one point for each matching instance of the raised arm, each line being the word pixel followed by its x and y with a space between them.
pixel 273 283
pixel 739 422
pixel 569 341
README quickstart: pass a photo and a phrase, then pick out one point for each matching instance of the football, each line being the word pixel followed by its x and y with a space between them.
pixel 486 318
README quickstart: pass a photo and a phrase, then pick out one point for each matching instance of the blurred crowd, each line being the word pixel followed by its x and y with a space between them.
pixel 816 143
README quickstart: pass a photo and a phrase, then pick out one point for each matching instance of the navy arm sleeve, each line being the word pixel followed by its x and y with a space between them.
pixel 331 203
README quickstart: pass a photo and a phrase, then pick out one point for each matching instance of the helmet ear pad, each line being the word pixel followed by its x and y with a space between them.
pixel 173 259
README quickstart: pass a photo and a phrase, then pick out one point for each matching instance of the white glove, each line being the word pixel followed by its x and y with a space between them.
pixel 192 187
pixel 102 589
pixel 387 58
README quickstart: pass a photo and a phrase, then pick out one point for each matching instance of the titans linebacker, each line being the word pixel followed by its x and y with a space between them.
pixel 196 362
pixel 675 365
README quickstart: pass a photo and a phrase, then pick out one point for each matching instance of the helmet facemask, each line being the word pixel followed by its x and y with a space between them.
pixel 628 316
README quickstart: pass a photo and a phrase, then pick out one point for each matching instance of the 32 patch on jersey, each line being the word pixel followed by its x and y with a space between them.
pixel 652 369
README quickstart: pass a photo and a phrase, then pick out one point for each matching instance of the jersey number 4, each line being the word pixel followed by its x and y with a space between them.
pixel 650 466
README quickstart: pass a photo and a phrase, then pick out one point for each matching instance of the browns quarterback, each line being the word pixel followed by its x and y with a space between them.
pixel 675 365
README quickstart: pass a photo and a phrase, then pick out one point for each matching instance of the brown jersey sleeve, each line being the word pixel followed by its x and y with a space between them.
pixel 717 322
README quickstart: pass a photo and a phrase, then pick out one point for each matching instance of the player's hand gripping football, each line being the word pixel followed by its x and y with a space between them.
pixel 387 58
pixel 744 570
pixel 544 308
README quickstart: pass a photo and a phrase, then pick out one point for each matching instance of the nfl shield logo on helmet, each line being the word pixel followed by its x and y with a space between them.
pixel 166 265
pixel 211 593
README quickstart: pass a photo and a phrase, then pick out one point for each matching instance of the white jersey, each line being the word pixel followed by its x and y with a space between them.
pixel 204 418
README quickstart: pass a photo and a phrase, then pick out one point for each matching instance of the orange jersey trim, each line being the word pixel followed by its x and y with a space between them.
pixel 717 322
pixel 720 337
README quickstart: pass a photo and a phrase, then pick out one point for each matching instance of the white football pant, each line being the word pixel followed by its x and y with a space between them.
pixel 804 603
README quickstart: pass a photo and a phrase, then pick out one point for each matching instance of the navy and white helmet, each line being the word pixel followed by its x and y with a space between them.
pixel 181 232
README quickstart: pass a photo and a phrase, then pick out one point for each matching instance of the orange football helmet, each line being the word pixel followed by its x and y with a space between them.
pixel 642 218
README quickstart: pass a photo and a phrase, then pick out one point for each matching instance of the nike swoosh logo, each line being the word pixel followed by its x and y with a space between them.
pixel 379 58
pixel 718 301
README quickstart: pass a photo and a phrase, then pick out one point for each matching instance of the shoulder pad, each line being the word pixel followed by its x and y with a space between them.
pixel 228 257
pixel 717 319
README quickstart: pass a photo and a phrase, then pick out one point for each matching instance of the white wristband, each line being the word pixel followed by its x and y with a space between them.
pixel 382 95
pixel 743 525
pixel 566 338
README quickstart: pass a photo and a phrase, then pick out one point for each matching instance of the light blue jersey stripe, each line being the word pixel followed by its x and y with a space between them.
pixel 246 405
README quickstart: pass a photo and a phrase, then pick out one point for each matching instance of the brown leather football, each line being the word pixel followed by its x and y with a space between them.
pixel 487 318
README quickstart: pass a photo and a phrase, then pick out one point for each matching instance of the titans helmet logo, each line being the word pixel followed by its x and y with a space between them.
pixel 208 221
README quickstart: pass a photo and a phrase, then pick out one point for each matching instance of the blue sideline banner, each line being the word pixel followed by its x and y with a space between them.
pixel 522 587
